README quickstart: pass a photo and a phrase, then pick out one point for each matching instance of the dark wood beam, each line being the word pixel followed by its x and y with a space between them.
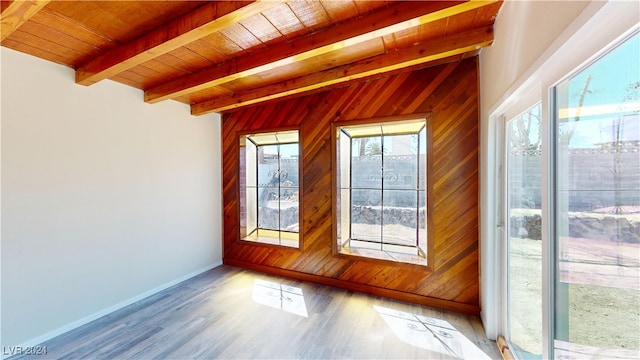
pixel 195 25
pixel 426 52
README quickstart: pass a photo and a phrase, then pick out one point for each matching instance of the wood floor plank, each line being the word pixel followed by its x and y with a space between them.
pixel 234 313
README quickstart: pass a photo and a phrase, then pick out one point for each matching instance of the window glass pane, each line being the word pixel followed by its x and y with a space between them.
pixel 289 161
pixel 287 137
pixel 249 164
pixel 268 166
pixel 268 189
pixel 422 159
pixel 597 126
pixel 343 211
pixel 386 128
pixel 289 187
pixel 288 208
pixel 343 215
pixel 400 162
pixel 524 230
pixel 263 139
pixel 343 171
pixel 366 163
pixel 243 189
pixel 269 208
pixel 422 221
pixel 400 217
pixel 274 138
pixel 366 220
pixel 363 130
pixel 251 214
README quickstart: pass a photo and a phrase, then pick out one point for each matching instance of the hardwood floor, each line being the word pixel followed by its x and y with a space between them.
pixel 231 313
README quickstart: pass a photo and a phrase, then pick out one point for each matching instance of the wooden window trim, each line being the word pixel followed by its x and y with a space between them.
pixel 429 190
pixel 240 239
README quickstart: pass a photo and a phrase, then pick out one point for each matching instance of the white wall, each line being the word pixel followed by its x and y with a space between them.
pixel 523 31
pixel 536 44
pixel 105 199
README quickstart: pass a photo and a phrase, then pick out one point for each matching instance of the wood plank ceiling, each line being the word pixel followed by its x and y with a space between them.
pixel 223 55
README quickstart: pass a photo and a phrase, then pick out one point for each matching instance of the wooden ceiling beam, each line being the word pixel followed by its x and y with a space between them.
pixel 197 24
pixel 434 50
pixel 384 22
pixel 18 13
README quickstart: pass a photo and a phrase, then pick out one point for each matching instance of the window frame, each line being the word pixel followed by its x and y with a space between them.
pixel 429 259
pixel 240 187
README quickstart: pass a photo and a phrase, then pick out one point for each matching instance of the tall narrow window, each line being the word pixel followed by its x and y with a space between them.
pixel 597 201
pixel 269 188
pixel 524 232
pixel 381 188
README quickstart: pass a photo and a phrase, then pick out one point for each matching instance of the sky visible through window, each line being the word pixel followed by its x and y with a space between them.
pixel 609 90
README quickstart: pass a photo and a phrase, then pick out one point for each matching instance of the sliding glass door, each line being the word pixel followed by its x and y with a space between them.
pixel 524 232
pixel 596 114
pixel 571 240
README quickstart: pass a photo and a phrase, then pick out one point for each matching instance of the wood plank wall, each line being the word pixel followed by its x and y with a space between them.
pixel 450 93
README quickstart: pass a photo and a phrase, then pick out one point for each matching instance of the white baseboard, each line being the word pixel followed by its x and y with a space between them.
pixel 89 318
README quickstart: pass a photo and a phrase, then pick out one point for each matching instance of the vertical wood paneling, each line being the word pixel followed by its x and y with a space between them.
pixel 449 93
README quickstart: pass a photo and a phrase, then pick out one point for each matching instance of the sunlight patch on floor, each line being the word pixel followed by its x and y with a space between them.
pixel 279 296
pixel 432 334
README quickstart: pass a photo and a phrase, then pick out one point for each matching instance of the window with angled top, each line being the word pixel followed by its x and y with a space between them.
pixel 269 188
pixel 381 183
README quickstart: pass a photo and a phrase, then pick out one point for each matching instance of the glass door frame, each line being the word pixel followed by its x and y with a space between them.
pixel 547 253
pixel 581 44
pixel 553 278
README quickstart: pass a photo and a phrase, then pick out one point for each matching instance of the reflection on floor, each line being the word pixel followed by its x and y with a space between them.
pixel 430 333
pixel 279 296
pixel 231 313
